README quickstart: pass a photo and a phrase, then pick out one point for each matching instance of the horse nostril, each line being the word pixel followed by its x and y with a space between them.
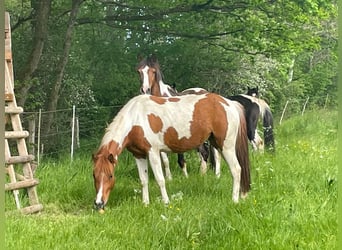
pixel 99 205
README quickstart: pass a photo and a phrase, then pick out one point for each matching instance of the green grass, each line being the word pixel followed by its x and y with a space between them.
pixel 292 204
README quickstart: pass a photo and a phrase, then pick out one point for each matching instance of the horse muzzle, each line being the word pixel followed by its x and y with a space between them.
pixel 145 91
pixel 99 205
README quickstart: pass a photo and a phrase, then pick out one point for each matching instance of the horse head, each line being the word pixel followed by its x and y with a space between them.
pixel 103 173
pixel 253 91
pixel 149 74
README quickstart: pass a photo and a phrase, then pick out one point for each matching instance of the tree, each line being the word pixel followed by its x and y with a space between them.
pixel 287 48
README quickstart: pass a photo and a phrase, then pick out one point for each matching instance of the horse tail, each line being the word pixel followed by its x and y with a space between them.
pixel 267 119
pixel 241 150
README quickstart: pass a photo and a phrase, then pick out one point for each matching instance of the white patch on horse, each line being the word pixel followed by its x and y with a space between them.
pixel 196 90
pixel 146 83
pixel 164 89
pixel 99 193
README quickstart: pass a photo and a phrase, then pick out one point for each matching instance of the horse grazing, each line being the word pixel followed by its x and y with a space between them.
pixel 152 83
pixel 146 126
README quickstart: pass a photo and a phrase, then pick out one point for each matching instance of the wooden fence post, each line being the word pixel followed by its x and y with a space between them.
pixel 282 115
pixel 38 139
pixel 32 133
pixel 72 133
pixel 307 99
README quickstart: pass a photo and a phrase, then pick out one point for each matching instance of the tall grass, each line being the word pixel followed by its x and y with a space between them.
pixel 292 204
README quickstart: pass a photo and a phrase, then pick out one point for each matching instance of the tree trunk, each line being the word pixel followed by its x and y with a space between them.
pixel 290 74
pixel 54 95
pixel 41 16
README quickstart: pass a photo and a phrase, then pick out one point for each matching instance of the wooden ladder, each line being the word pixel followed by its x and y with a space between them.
pixel 18 166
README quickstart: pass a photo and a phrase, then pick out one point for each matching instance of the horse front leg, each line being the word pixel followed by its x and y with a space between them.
pixel 235 170
pixel 155 161
pixel 143 174
pixel 259 142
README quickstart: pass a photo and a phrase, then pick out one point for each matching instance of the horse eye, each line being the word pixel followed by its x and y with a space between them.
pixel 110 176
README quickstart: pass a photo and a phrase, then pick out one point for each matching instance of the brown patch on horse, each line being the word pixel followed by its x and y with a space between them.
pixel 136 142
pixel 158 100
pixel 209 118
pixel 180 145
pixel 155 122
pixel 173 99
pixel 211 107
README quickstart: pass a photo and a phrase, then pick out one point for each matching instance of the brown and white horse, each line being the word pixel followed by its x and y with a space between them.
pixel 152 83
pixel 148 125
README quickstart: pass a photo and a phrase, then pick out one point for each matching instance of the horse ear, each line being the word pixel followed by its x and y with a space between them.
pixel 154 58
pixel 140 57
pixel 111 158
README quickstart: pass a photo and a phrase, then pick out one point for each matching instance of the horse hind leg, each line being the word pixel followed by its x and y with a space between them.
pixel 182 164
pixel 155 161
pixel 230 157
pixel 203 152
pixel 166 164
pixel 217 160
pixel 259 142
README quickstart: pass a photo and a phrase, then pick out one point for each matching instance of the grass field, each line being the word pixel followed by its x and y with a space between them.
pixel 292 204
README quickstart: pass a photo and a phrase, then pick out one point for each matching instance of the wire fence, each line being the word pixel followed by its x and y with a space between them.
pixel 78 130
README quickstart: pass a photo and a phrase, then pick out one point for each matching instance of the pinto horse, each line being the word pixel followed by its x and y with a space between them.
pixel 146 126
pixel 152 83
pixel 257 109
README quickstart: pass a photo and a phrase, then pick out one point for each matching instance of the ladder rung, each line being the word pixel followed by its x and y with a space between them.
pixel 16 134
pixel 19 159
pixel 9 97
pixel 32 209
pixel 21 184
pixel 13 110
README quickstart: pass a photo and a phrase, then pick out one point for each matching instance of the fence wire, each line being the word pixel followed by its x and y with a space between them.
pixel 80 132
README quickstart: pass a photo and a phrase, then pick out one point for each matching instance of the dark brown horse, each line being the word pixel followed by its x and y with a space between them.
pixel 152 83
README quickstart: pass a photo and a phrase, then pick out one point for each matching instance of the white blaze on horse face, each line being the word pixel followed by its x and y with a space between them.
pixel 99 193
pixel 146 82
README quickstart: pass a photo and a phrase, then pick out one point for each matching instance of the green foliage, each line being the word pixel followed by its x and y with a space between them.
pixel 223 46
pixel 292 205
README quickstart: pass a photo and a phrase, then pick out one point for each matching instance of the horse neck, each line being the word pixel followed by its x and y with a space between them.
pixel 155 89
pixel 119 128
pixel 161 89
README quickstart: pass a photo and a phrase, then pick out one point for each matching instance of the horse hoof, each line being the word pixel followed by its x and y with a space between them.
pixel 244 195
